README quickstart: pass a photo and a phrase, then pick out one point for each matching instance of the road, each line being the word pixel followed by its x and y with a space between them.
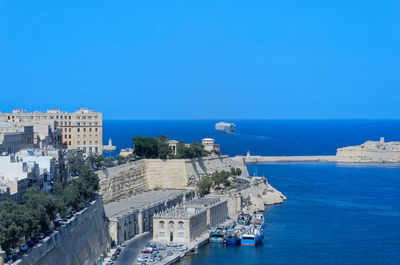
pixel 133 248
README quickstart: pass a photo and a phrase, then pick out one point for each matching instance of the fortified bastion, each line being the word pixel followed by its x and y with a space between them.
pixel 147 174
pixel 370 151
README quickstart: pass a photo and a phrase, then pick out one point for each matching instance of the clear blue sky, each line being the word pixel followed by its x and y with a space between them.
pixel 203 59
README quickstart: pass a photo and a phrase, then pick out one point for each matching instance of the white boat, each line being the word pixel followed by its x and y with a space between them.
pixel 225 127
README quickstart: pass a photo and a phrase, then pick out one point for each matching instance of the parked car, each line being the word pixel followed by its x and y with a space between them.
pixel 170 244
pixel 40 236
pixel 147 250
pixel 30 243
pixel 183 247
pixel 123 245
pixel 58 222
pixel 12 256
pixel 160 247
pixel 169 253
pixel 24 248
pixel 110 263
pixel 155 251
pixel 68 216
pixel 152 259
pixel 159 258
pixel 142 258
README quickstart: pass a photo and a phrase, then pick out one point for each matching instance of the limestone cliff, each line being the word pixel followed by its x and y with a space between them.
pixel 146 174
pixel 259 194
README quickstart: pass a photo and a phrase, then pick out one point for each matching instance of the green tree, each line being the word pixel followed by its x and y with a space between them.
pixel 109 161
pixel 146 147
pixel 204 185
pixel 121 159
pixel 164 150
pixel 75 161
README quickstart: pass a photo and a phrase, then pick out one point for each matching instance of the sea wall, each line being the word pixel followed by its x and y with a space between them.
pixel 80 241
pixel 146 174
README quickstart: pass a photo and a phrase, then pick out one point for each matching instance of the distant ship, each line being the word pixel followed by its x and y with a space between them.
pixel 225 127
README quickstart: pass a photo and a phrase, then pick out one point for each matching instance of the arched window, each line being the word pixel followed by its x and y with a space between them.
pixel 180 224
pixel 161 224
pixel 171 224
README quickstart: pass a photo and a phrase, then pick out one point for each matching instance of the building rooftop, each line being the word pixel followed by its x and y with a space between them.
pixel 139 201
pixel 202 202
pixel 189 209
pixel 182 212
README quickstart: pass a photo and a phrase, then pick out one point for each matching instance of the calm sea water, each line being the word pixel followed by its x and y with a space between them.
pixel 335 214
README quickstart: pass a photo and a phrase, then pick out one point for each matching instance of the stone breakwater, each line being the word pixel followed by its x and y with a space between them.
pixel 147 174
pixel 368 152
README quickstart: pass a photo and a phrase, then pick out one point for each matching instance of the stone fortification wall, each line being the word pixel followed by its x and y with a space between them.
pixel 123 180
pixel 370 151
pixel 200 167
pixel 146 174
pixel 80 242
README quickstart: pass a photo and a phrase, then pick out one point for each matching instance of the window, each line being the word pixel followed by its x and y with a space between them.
pixel 84 129
pixel 79 142
pixel 78 129
pixel 96 142
pixel 69 130
pixel 90 136
pixel 90 142
pixel 84 136
pixel 78 136
pixel 162 234
pixel 171 224
pixel 95 130
pixel 95 136
pixel 180 224
pixel 84 143
pixel 162 224
pixel 96 149
pixel 180 234
pixel 70 142
pixel 90 129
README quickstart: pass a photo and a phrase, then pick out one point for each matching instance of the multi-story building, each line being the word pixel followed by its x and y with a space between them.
pixel 14 138
pixel 18 176
pixel 81 130
pixel 189 221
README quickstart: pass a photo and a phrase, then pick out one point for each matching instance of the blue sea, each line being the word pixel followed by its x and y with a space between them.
pixel 335 214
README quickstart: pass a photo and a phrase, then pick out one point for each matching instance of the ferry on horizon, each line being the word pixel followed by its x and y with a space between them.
pixel 225 127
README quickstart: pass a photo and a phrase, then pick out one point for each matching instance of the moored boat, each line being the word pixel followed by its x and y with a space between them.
pixel 253 236
pixel 216 237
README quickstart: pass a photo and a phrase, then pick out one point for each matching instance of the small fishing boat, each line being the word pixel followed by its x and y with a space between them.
pixel 253 236
pixel 216 237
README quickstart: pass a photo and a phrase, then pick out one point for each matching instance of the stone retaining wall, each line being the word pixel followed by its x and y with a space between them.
pixel 146 174
pixel 80 242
